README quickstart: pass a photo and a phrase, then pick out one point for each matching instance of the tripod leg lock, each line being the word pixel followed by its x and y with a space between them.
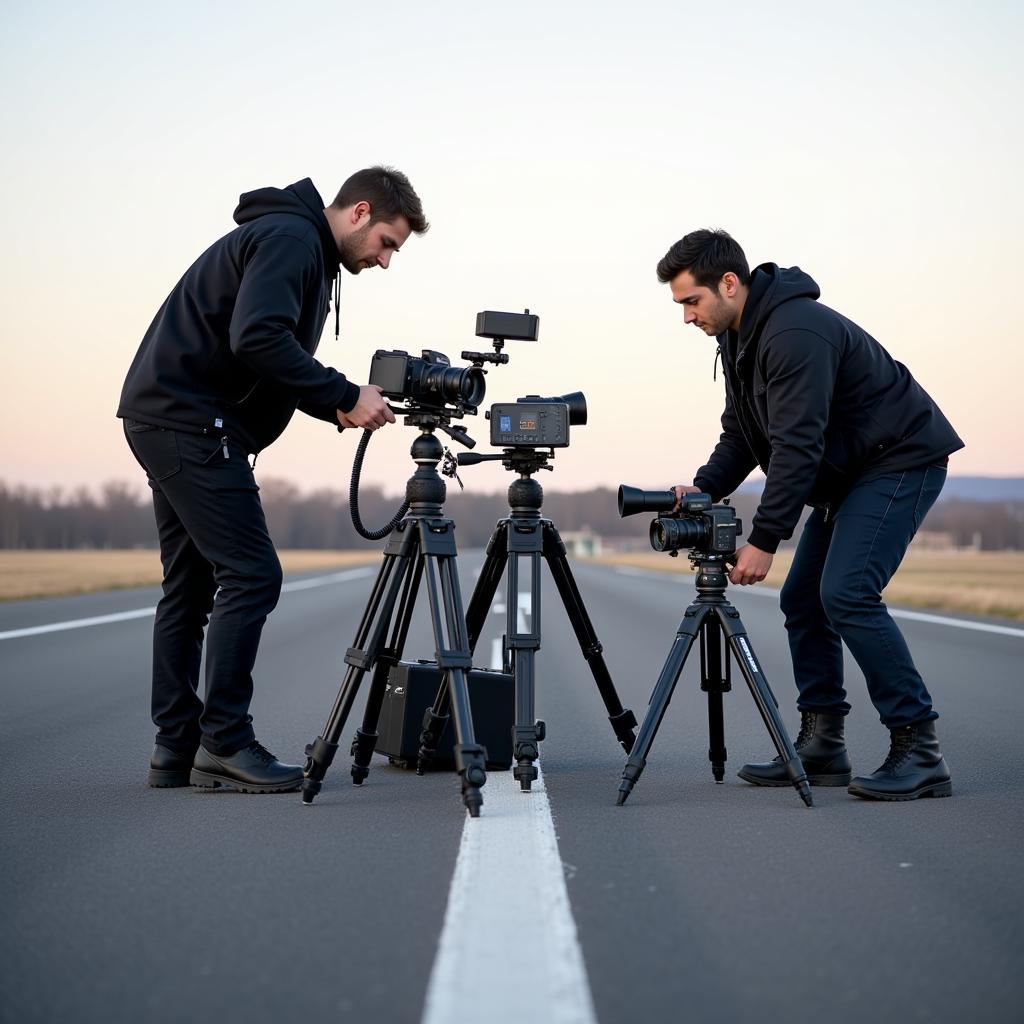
pixel 623 725
pixel 358 658
pixel 321 753
pixel 430 736
pixel 363 745
pixel 471 764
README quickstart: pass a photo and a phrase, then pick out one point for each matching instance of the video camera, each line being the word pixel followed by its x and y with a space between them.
pixel 430 384
pixel 707 529
pixel 535 422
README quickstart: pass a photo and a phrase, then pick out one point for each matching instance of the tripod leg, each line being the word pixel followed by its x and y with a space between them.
pixel 487 583
pixel 764 698
pixel 714 684
pixel 693 617
pixel 453 656
pixel 401 547
pixel 365 740
pixel 623 721
pixel 527 732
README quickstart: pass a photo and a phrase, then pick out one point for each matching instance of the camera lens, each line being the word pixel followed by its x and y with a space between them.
pixel 673 534
pixel 456 384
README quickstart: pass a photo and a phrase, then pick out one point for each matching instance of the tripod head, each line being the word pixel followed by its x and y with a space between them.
pixel 524 461
pixel 525 495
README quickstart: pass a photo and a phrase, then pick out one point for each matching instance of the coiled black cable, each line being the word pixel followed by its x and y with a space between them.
pixel 353 497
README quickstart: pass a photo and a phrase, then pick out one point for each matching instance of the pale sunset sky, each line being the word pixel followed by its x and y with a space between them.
pixel 559 150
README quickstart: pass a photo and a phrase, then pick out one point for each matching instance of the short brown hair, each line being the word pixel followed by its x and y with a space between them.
pixel 389 194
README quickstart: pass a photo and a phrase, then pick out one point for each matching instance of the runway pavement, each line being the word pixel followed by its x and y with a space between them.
pixel 695 901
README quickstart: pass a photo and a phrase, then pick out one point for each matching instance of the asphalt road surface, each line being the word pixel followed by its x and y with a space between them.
pixel 695 901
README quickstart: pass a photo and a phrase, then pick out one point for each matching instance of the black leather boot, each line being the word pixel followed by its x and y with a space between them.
pixel 915 767
pixel 253 769
pixel 822 750
pixel 168 768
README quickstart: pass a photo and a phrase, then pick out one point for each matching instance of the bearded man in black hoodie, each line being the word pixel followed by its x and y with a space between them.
pixel 228 359
pixel 834 422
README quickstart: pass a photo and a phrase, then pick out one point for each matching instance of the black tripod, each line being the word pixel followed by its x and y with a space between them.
pixel 525 535
pixel 422 544
pixel 711 617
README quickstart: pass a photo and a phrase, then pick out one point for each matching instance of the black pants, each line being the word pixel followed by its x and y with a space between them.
pixel 219 567
pixel 833 595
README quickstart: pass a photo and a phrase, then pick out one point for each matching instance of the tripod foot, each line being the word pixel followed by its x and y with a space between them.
pixel 363 744
pixel 525 772
pixel 805 794
pixel 473 799
pixel 319 755
pixel 471 761
pixel 630 774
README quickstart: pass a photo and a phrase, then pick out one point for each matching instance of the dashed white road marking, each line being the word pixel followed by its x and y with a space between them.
pixel 141 613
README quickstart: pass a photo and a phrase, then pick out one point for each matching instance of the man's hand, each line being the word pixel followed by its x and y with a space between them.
pixel 679 490
pixel 751 566
pixel 370 412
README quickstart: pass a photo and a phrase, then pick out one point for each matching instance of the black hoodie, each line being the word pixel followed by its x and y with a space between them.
pixel 814 401
pixel 231 350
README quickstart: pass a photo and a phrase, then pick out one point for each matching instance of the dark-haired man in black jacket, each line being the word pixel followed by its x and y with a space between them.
pixel 835 423
pixel 228 359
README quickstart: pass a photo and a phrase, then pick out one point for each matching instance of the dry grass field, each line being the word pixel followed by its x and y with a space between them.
pixel 976 582
pixel 51 573
pixel 980 583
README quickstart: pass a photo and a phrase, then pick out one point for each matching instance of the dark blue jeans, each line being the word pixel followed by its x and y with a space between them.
pixel 832 596
pixel 219 567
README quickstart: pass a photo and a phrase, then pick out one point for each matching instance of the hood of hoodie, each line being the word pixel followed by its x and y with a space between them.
pixel 301 200
pixel 770 287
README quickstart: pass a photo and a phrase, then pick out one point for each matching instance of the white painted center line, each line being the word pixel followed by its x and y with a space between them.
pixel 141 613
pixel 509 939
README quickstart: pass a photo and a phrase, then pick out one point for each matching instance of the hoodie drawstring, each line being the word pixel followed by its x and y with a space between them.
pixel 714 367
pixel 337 306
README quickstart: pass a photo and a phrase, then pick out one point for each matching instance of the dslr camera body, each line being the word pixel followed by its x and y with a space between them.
pixel 429 383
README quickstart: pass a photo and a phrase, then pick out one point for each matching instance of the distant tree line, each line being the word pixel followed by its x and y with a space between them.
pixel 118 516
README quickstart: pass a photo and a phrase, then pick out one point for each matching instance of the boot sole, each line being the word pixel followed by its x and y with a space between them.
pixel 936 789
pixel 827 781
pixel 161 778
pixel 204 780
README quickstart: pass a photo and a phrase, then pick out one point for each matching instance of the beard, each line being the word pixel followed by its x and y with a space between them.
pixel 719 319
pixel 350 247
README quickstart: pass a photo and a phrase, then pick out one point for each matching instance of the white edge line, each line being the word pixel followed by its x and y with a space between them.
pixel 896 613
pixel 141 613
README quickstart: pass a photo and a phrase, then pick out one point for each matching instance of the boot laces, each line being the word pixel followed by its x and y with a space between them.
pixel 261 752
pixel 901 744
pixel 807 723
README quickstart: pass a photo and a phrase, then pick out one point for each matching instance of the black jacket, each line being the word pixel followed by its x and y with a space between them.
pixel 231 350
pixel 814 401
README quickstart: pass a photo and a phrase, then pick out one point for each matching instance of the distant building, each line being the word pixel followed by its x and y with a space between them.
pixel 581 543
pixel 933 540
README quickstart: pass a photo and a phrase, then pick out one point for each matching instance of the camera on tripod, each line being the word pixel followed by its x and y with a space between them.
pixel 704 528
pixel 535 422
pixel 429 383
